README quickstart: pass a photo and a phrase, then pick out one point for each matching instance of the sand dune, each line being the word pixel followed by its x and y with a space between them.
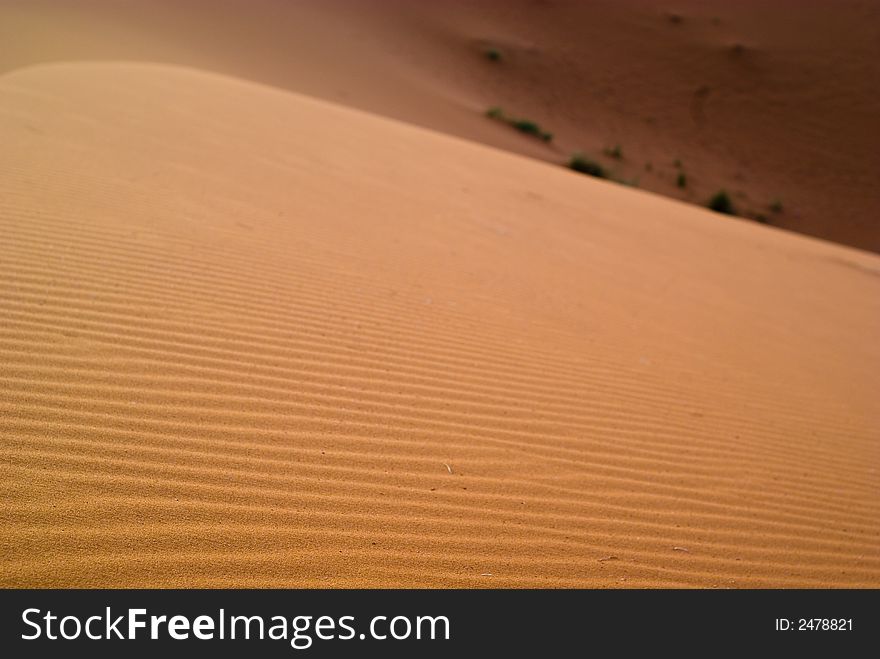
pixel 772 101
pixel 250 338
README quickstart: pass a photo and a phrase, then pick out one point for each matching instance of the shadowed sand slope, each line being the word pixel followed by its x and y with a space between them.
pixel 775 102
pixel 250 338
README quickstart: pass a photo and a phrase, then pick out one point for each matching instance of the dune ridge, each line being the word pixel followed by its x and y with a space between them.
pixel 252 338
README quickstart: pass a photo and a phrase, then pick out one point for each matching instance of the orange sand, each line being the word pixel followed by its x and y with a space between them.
pixel 250 338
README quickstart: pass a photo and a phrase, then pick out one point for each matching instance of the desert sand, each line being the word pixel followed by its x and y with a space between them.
pixel 774 102
pixel 252 338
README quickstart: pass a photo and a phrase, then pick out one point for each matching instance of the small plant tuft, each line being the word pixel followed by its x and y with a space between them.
pixel 682 180
pixel 721 203
pixel 492 54
pixel 580 163
pixel 529 127
pixel 526 126
pixel 776 206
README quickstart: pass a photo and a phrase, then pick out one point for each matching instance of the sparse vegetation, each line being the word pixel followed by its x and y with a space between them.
pixel 529 127
pixel 526 126
pixel 614 152
pixel 682 180
pixel 492 54
pixel 776 206
pixel 580 163
pixel 721 203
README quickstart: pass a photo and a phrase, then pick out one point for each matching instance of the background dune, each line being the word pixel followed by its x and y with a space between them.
pixel 772 101
pixel 251 338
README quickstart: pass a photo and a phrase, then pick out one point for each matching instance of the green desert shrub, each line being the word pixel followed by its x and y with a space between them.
pixel 526 126
pixel 580 163
pixel 529 127
pixel 682 180
pixel 721 203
